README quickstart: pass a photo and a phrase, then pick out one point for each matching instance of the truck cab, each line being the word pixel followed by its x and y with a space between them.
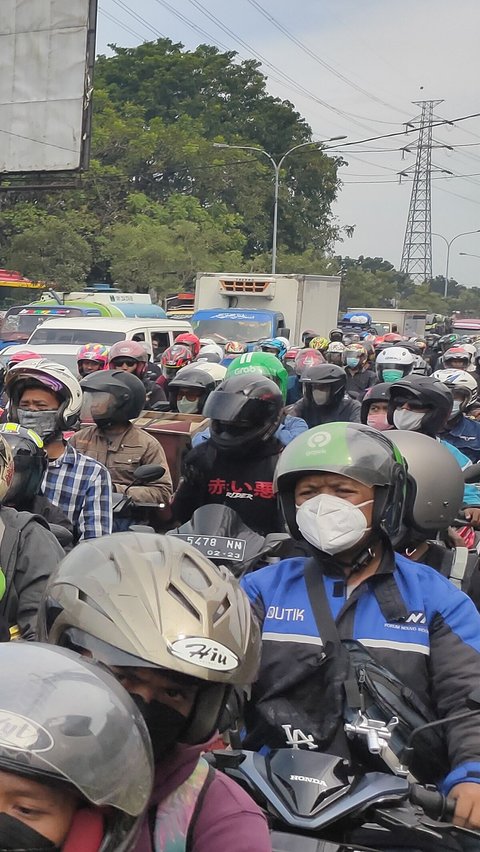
pixel 246 326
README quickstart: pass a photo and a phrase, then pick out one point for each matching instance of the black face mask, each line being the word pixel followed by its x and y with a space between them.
pixel 18 837
pixel 164 725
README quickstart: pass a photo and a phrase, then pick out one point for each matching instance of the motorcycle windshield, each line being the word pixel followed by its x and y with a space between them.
pixel 215 520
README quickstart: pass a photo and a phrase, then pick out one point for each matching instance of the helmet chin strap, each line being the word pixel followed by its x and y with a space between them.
pixel 332 566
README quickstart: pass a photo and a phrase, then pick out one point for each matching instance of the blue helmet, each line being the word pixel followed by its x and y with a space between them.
pixel 275 346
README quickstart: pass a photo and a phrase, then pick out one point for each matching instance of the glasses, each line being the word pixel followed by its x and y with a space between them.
pixel 123 362
pixel 412 404
pixel 190 395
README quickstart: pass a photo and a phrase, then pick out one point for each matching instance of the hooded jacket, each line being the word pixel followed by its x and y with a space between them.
pixel 227 819
pixel 345 411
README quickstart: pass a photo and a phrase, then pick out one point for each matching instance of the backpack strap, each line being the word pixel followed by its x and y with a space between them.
pixel 198 808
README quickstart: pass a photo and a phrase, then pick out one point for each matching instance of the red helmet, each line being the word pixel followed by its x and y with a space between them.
pixel 392 337
pixel 307 358
pixel 129 350
pixel 21 355
pixel 190 340
pixel 174 358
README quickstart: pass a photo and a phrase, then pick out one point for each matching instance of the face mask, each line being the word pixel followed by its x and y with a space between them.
pixel 320 397
pixel 331 524
pixel 353 362
pixel 379 421
pixel 164 725
pixel 455 408
pixel 18 837
pixel 408 420
pixel 44 423
pixel 185 406
pixel 391 375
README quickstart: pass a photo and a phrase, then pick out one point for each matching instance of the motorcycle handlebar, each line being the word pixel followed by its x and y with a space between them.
pixel 435 804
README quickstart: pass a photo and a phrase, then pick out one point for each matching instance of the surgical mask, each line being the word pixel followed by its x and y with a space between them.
pixel 352 362
pixel 19 837
pixel 378 421
pixel 391 375
pixel 408 420
pixel 455 408
pixel 332 524
pixel 164 725
pixel 320 397
pixel 44 423
pixel 186 406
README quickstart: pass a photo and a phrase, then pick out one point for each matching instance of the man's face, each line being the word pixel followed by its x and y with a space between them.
pixel 86 367
pixel 38 399
pixel 129 365
pixel 336 485
pixel 456 364
pixel 48 810
pixel 152 685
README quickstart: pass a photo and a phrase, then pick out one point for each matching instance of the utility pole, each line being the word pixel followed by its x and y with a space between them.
pixel 417 245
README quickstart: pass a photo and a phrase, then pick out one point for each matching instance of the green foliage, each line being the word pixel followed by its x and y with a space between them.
pixel 48 245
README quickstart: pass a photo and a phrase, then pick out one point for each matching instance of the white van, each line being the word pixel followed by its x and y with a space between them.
pixel 77 331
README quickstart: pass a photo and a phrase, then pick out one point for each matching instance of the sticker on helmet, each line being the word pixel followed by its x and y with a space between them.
pixel 208 655
pixel 23 734
pixel 319 440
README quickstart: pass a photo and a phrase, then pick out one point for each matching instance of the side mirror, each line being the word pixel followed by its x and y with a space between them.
pixel 148 473
pixel 284 332
pixel 473 700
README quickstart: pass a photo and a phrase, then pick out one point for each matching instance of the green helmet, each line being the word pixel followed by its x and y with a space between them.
pixel 261 362
pixel 353 450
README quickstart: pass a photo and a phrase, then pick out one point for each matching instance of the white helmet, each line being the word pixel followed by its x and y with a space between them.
pixel 206 341
pixel 336 346
pixel 216 371
pixel 394 363
pixel 211 349
pixel 459 380
pixel 285 341
pixel 55 377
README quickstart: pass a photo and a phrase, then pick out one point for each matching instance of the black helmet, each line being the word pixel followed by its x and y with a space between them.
pixel 336 335
pixel 431 392
pixel 245 410
pixel 447 341
pixel 30 462
pixel 378 393
pixel 194 378
pixel 68 723
pixel 429 508
pixel 124 397
pixel 329 377
pixel 353 450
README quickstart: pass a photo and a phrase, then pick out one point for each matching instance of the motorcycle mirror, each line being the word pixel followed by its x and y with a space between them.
pixel 161 405
pixel 148 473
pixel 473 701
pixel 472 473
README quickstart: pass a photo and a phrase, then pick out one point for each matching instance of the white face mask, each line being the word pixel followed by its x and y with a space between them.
pixel 185 406
pixel 408 420
pixel 331 524
pixel 320 397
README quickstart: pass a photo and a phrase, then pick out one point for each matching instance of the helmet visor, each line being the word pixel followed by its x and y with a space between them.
pixel 96 405
pixel 230 408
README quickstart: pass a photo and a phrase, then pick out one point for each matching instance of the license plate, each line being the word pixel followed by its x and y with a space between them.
pixel 218 546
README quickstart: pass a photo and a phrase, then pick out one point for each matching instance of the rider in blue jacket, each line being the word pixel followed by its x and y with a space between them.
pixel 342 487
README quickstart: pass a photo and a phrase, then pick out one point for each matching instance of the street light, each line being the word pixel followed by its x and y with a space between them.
pixel 449 244
pixel 277 165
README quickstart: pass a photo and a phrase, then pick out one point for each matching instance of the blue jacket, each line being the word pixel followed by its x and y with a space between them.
pixel 286 432
pixel 471 492
pixel 465 436
pixel 411 619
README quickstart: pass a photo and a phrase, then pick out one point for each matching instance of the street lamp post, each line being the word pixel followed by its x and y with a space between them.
pixel 449 243
pixel 277 165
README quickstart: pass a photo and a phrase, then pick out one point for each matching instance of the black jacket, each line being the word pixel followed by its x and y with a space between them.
pixel 243 482
pixel 345 411
pixel 358 382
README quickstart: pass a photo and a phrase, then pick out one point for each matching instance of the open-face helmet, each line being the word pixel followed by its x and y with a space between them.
pixel 336 335
pixel 189 390
pixel 274 346
pixel 129 353
pixel 92 357
pixel 354 356
pixel 334 353
pixel 394 363
pixel 53 377
pixel 462 384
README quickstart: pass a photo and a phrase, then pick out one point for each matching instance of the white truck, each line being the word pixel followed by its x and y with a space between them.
pixel 249 308
pixel 411 323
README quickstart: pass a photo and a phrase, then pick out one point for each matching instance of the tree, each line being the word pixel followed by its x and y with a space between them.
pixel 51 251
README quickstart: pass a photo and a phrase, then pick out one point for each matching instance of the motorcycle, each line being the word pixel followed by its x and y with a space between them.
pixel 135 516
pixel 317 802
pixel 219 533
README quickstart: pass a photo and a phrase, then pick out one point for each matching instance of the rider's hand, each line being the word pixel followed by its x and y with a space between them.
pixel 454 538
pixel 467 810
pixel 472 514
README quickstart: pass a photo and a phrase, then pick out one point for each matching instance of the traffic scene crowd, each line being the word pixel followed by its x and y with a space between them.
pixel 131 660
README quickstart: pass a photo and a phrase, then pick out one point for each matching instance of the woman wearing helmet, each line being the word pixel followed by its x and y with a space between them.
pixel 342 487
pixel 46 397
pixel 112 399
pixel 72 730
pixel 92 357
pixel 460 430
pixel 189 390
pixel 235 465
pixel 374 408
pixel 131 356
pixel 30 464
pixel 178 633
pixel 324 397
pixel 359 376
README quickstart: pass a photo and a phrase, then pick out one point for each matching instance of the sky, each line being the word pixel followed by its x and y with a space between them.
pixel 381 55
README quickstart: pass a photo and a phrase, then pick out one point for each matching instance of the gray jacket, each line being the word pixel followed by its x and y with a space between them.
pixel 28 554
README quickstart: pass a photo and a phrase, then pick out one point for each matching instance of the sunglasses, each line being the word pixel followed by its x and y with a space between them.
pixel 413 404
pixel 123 362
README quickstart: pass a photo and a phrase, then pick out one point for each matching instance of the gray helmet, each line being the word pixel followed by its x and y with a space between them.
pixel 64 720
pixel 150 600
pixel 431 505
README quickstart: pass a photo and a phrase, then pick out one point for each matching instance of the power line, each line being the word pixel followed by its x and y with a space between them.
pixel 138 18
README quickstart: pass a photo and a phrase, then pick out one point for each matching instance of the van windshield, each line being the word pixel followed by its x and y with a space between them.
pixel 76 335
pixel 221 330
pixel 19 322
